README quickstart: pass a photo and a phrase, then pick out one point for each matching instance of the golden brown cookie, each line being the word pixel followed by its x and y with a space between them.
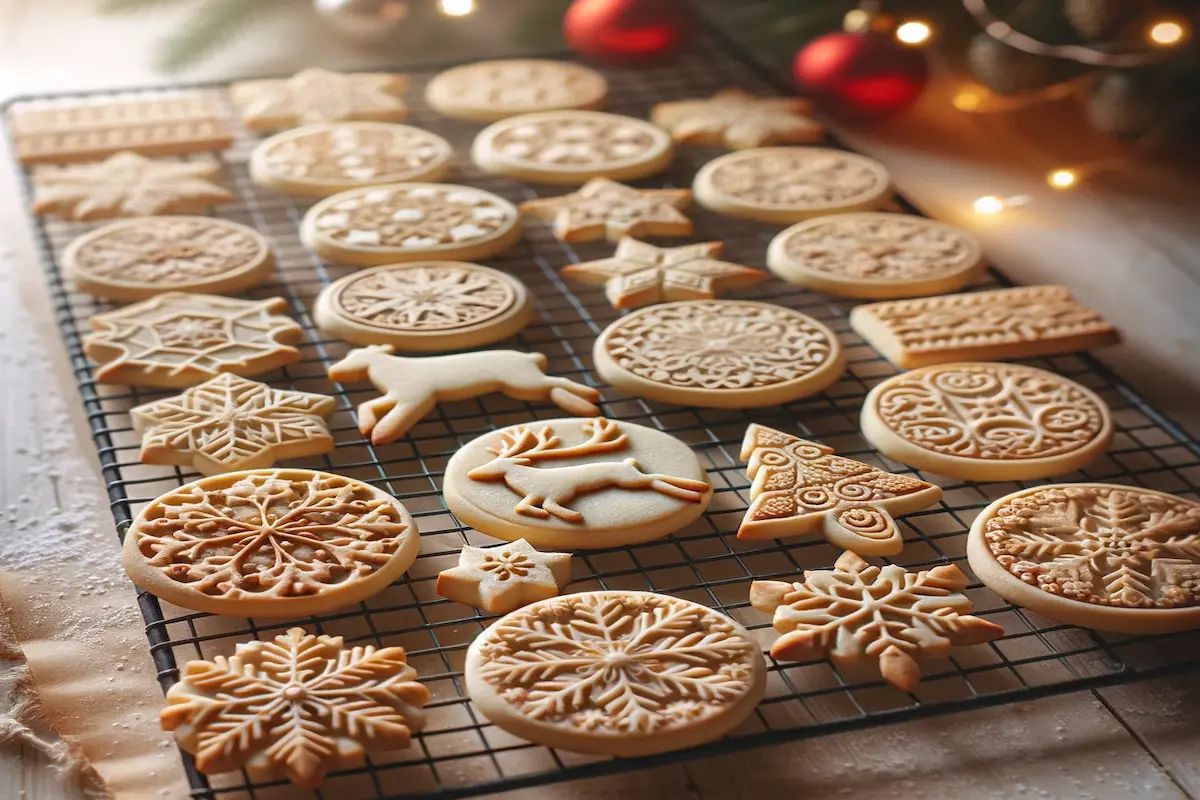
pixel 505 577
pixel 604 209
pixel 318 95
pixel 739 120
pixel 490 90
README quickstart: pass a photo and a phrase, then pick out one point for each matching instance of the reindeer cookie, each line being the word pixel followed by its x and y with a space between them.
pixel 576 484
pixel 413 386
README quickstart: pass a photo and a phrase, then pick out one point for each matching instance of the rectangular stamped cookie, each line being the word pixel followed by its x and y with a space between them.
pixel 981 326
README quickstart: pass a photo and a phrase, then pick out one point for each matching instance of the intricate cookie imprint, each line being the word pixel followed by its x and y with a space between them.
pixel 490 90
pixel 135 259
pixel 876 255
pixel 989 422
pixel 1115 558
pixel 604 209
pixel 719 354
pixel 998 324
pixel 790 184
pixel 424 306
pixel 572 147
pixel 270 543
pixel 409 222
pixel 858 611
pixel 739 120
pixel 295 707
pixel 318 95
pixel 502 578
pixel 628 673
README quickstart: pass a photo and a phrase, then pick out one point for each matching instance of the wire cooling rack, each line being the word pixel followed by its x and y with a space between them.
pixel 459 754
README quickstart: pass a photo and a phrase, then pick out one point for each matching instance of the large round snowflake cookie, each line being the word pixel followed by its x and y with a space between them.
pixel 620 672
pixel 490 90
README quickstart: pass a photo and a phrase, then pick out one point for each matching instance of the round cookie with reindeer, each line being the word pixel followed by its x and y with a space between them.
pixel 576 483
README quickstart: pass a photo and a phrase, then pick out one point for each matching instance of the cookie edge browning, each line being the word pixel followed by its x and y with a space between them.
pixel 448 108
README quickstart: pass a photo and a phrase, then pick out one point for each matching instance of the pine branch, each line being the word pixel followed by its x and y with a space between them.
pixel 212 25
pixel 132 6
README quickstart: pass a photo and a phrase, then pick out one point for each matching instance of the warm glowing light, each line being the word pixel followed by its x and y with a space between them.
pixel 914 32
pixel 456 8
pixel 1062 178
pixel 989 204
pixel 968 99
pixel 1166 33
pixel 856 20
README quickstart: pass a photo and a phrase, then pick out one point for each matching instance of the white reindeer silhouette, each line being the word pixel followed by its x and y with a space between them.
pixel 546 491
pixel 413 386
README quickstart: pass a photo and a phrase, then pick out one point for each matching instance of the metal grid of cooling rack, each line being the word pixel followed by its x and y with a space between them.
pixel 459 754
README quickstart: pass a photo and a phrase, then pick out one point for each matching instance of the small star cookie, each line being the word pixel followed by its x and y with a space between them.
pixel 503 578
pixel 604 209
pixel 638 274
pixel 318 95
pixel 739 120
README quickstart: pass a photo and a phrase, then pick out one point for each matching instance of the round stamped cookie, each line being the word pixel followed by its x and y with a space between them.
pixel 876 256
pixel 322 160
pixel 136 259
pixel 572 147
pixel 576 483
pixel 270 543
pixel 987 422
pixel 426 306
pixel 719 354
pixel 1113 558
pixel 790 184
pixel 490 90
pixel 410 222
pixel 619 672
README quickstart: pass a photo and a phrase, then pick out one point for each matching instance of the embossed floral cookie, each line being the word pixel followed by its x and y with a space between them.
pixel 1098 555
pixel 502 578
pixel 576 483
pixel 987 422
pixel 270 543
pixel 719 354
pixel 490 90
pixel 619 672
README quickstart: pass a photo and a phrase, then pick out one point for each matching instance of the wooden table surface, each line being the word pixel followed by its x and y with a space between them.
pixel 1125 241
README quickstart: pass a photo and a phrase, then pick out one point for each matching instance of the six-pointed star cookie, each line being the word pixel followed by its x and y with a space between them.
pixel 607 209
pixel 506 577
pixel 639 274
pixel 739 120
pixel 229 423
pixel 126 185
pixel 318 95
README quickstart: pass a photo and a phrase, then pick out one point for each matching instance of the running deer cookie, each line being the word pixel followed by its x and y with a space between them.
pixel 982 326
pixel 177 339
pixel 426 306
pixel 739 120
pixel 800 487
pixel 860 612
pixel 135 259
pixel 987 422
pixel 604 209
pixel 409 222
pixel 639 274
pixel 617 672
pixel 505 577
pixel 791 184
pixel 719 354
pixel 572 147
pixel 487 91
pixel 576 484
pixel 270 543
pixel 1113 558
pixel 318 95
pixel 412 387
pixel 876 256
pixel 297 707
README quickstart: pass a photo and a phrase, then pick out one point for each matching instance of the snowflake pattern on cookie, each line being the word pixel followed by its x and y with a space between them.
pixel 607 209
pixel 319 95
pixel 577 141
pixel 804 177
pixel 431 297
pixel 497 89
pixel 350 154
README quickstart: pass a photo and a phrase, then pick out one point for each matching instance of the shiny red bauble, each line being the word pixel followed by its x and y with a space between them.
pixel 861 74
pixel 629 32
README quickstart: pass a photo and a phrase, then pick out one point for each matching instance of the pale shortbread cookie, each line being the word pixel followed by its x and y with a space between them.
pixel 229 423
pixel 572 147
pixel 410 222
pixel 860 612
pixel 800 487
pixel 790 184
pixel 876 255
pixel 318 95
pixel 719 354
pixel 739 120
pixel 177 339
pixel 307 705
pixel 982 326
pixel 1113 558
pixel 135 259
pixel 412 387
pixel 506 577
pixel 987 422
pixel 618 672
pixel 576 484
pixel 425 306
pixel 487 91
pixel 604 209
pixel 270 543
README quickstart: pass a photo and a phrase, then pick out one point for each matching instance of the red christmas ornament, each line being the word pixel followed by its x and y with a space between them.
pixel 860 74
pixel 629 32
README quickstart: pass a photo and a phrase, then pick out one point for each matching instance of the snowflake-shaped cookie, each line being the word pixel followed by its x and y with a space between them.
pixel 858 611
pixel 604 209
pixel 491 90
pixel 318 95
pixel 499 579
pixel 295 707
pixel 739 120
pixel 615 672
